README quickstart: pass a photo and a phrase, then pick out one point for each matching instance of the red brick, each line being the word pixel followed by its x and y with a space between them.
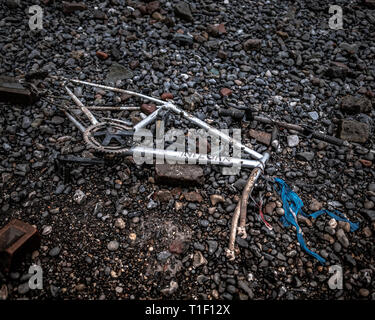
pixel 225 92
pixel 102 55
pixel 167 96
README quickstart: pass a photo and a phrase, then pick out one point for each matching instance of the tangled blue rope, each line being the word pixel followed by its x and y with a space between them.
pixel 292 205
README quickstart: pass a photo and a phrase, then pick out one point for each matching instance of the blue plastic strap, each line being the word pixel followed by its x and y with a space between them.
pixel 292 205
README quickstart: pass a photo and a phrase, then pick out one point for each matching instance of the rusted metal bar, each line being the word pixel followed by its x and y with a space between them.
pixel 83 108
pixel 304 130
pixel 255 173
pixel 111 89
pixel 241 209
pixel 275 137
pixel 233 231
pixel 75 121
pixel 111 108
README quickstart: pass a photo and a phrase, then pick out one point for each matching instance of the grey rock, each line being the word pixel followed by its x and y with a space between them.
pixel 182 9
pixel 54 251
pixel 163 256
pixel 293 140
pixel 113 245
pixel 341 236
pixel 23 288
pixel 212 246
pixel 305 156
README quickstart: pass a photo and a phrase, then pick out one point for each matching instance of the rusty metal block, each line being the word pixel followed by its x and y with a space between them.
pixel 13 91
pixel 260 136
pixel 17 238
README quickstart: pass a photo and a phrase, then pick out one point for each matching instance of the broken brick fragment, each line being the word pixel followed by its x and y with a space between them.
pixel 152 6
pixel 69 7
pixel 134 64
pixel 178 246
pixel 148 108
pixel 365 163
pixel 354 131
pixel 216 30
pixel 163 195
pixel 252 44
pixel 261 136
pixel 102 55
pixel 167 96
pixel 193 196
pixel 179 174
pixel 225 92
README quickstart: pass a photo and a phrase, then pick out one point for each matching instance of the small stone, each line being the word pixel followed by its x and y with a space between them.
pixel 365 163
pixel 340 234
pixel 282 34
pixel 216 29
pixel 179 205
pixel 337 70
pixel 193 196
pixel 79 196
pixel 120 223
pixel 222 54
pixel 225 92
pixel 313 115
pixel 315 205
pixel 293 140
pixel 364 292
pixel 332 223
pixel 252 44
pixel 24 288
pixel 199 259
pixel 164 195
pixel 216 198
pixel 178 246
pixel 102 55
pixel 119 290
pixel 354 131
pixel 80 287
pixel 113 245
pixel 134 64
pixel 367 232
pixel 167 96
pixel 163 256
pixel 3 292
pixel 182 9
pixel 270 206
pixel 356 104
pixel 148 108
pixel 69 7
pixel 179 174
pixel 244 286
pixel 212 246
pixel 305 156
pixel 132 236
pixel 46 230
pixel 13 3
pixel 152 204
pixel 54 251
pixel 173 286
pixel 204 223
